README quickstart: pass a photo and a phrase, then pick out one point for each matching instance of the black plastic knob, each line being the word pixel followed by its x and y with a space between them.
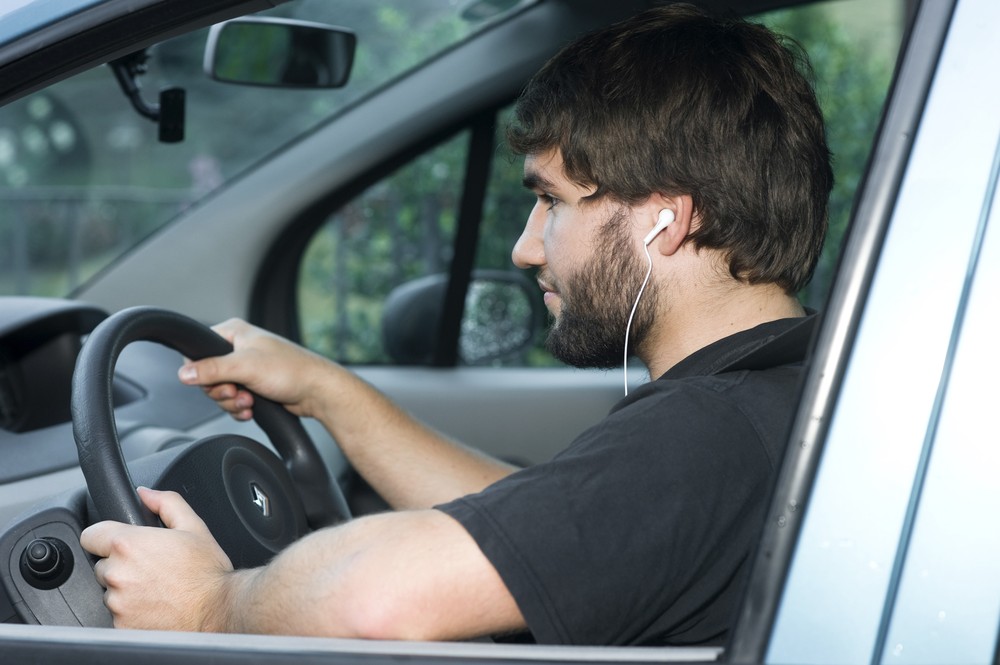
pixel 46 563
pixel 42 558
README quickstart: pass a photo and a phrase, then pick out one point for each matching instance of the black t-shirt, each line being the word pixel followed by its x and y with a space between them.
pixel 640 532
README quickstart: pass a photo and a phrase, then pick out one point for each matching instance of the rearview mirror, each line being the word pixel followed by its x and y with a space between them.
pixel 278 52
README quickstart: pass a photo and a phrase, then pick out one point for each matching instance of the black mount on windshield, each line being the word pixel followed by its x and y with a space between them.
pixel 168 114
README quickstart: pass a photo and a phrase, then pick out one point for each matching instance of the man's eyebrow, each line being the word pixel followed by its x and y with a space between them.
pixel 532 180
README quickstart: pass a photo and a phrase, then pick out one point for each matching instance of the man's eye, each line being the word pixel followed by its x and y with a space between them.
pixel 549 200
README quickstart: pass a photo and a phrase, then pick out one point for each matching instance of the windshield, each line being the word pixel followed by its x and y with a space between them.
pixel 83 177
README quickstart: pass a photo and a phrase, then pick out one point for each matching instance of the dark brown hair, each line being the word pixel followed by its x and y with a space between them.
pixel 676 101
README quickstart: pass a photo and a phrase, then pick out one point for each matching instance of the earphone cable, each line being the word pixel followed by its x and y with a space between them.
pixel 628 326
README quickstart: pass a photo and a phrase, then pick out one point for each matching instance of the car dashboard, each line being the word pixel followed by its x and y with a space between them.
pixel 39 342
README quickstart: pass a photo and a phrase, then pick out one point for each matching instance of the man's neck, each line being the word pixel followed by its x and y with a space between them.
pixel 694 327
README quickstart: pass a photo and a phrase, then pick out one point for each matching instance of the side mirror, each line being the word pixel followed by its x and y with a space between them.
pixel 278 52
pixel 502 313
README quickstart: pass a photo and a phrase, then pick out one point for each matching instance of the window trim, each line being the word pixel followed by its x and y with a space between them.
pixel 470 219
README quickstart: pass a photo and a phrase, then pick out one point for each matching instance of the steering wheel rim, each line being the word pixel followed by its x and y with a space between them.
pixel 98 446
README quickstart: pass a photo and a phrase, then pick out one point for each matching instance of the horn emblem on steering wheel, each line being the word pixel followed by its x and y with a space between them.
pixel 261 500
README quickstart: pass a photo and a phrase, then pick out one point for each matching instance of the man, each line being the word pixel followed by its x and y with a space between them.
pixel 674 156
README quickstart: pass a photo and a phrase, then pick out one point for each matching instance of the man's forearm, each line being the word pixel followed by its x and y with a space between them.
pixel 408 464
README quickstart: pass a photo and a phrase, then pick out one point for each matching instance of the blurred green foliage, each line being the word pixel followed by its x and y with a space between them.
pixel 851 75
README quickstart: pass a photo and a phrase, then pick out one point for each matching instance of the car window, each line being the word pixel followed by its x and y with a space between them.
pixel 399 229
pixel 83 178
pixel 852 45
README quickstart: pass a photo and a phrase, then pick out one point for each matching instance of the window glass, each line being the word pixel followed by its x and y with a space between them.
pixel 83 177
pixel 397 230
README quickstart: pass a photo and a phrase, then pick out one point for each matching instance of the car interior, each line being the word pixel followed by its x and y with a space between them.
pixel 333 171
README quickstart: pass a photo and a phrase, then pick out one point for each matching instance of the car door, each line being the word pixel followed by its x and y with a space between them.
pixel 881 545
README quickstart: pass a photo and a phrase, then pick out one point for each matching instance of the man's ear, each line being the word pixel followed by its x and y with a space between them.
pixel 657 210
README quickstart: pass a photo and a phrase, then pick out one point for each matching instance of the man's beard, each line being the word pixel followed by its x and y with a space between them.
pixel 596 302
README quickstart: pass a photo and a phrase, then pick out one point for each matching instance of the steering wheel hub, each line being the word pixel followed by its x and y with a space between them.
pixel 227 479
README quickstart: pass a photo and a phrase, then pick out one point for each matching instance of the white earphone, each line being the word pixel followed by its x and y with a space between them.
pixel 663 220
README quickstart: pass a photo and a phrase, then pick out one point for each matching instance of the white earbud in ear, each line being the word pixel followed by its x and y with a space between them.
pixel 663 220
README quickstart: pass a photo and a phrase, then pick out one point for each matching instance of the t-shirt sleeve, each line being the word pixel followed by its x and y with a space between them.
pixel 634 534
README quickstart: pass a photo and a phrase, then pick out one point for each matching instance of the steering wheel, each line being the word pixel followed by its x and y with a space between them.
pixel 253 502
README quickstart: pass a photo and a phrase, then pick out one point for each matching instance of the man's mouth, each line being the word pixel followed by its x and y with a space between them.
pixel 549 293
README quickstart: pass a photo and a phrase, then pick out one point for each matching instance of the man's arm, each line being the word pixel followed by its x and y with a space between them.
pixel 404 575
pixel 408 464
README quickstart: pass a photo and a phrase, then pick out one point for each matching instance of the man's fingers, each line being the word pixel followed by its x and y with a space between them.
pixel 230 398
pixel 219 375
pixel 101 538
pixel 207 372
pixel 217 369
pixel 230 328
pixel 174 511
pixel 97 538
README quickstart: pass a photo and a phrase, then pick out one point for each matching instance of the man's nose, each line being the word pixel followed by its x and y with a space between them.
pixel 529 250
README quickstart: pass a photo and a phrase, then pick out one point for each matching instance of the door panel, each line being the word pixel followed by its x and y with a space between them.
pixel 523 415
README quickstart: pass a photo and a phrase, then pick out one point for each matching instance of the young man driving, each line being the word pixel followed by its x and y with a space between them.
pixel 681 176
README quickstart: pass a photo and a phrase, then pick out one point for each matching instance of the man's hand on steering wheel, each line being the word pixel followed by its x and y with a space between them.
pixel 160 579
pixel 264 363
